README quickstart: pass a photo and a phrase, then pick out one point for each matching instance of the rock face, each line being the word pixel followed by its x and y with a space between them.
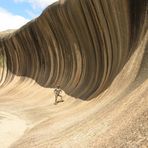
pixel 80 45
pixel 95 50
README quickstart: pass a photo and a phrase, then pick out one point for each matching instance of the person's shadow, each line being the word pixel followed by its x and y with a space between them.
pixel 60 101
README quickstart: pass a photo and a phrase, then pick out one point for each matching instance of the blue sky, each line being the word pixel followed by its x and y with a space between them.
pixel 15 13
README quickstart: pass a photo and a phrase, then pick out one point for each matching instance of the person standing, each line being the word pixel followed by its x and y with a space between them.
pixel 57 93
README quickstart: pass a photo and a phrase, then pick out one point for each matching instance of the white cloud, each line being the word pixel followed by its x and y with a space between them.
pixel 38 3
pixel 31 14
pixel 10 21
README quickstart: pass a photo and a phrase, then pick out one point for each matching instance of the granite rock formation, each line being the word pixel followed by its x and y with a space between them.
pixel 80 45
pixel 96 50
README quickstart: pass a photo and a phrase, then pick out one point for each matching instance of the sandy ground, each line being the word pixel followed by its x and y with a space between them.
pixel 11 128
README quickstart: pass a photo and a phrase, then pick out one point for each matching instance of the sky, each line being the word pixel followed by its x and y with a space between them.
pixel 16 13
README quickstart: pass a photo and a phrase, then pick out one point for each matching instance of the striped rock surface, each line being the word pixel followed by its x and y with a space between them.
pixel 96 50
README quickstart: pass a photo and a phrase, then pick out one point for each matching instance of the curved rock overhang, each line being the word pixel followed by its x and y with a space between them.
pixel 80 45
